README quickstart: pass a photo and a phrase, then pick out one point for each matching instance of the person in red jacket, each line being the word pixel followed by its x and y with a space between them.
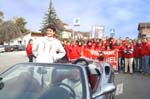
pixel 128 54
pixel 29 50
pixel 86 52
pixel 76 52
pixel 119 47
pixel 73 50
pixel 67 47
pixel 145 56
pixel 137 55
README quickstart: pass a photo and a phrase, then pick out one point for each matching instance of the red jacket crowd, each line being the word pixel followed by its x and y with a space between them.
pixel 127 48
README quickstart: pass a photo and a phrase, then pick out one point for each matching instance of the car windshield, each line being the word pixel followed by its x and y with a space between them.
pixel 53 81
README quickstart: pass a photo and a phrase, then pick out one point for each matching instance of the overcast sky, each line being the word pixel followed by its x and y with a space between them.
pixel 122 15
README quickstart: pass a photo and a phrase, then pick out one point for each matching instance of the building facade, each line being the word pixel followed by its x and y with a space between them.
pixel 144 30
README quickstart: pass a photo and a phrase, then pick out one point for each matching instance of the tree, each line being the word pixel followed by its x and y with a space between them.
pixel 20 22
pixel 8 31
pixel 1 16
pixel 51 18
pixel 60 27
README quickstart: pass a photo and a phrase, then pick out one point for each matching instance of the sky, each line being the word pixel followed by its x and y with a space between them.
pixel 121 15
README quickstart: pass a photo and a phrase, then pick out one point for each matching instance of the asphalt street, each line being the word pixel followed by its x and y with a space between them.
pixel 8 59
pixel 135 86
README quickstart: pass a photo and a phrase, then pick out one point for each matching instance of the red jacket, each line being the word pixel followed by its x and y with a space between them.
pixel 100 47
pixel 87 53
pixel 29 49
pixel 76 51
pixel 148 45
pixel 144 50
pixel 67 49
pixel 120 49
pixel 129 51
pixel 137 50
pixel 73 52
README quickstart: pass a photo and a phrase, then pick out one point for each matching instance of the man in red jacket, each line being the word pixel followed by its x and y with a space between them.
pixel 145 56
pixel 137 55
pixel 29 50
pixel 119 47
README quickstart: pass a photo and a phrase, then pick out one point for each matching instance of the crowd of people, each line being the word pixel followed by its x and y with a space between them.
pixel 133 55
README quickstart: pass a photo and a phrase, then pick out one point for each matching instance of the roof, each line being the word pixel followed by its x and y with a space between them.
pixel 36 34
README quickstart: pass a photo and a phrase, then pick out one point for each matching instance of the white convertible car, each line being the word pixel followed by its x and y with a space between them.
pixel 80 80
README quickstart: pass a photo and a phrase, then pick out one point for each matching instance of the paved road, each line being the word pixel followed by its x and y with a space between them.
pixel 134 86
pixel 8 59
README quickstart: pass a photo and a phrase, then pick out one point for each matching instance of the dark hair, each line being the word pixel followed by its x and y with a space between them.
pixel 101 56
pixel 30 40
pixel 51 26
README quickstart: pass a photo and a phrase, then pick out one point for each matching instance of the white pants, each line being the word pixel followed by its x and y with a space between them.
pixel 129 61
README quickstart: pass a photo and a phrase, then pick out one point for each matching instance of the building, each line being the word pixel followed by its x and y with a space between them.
pixel 144 30
pixel 67 32
pixel 81 35
pixel 97 32
pixel 23 40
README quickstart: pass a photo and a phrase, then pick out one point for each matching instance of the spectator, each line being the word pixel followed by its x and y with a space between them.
pixel 145 56
pixel 29 50
pixel 128 54
pixel 119 47
pixel 137 55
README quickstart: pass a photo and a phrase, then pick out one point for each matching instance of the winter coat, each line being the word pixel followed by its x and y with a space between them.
pixel 29 49
pixel 48 50
pixel 128 51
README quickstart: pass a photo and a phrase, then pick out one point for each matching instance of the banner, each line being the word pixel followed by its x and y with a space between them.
pixel 110 56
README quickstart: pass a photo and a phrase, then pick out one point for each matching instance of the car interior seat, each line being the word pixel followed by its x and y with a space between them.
pixel 25 82
pixel 93 79
pixel 57 77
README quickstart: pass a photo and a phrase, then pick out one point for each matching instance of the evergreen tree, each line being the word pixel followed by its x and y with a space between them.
pixel 51 18
pixel 1 17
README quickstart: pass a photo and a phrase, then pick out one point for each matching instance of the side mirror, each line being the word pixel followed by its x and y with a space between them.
pixel 108 88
